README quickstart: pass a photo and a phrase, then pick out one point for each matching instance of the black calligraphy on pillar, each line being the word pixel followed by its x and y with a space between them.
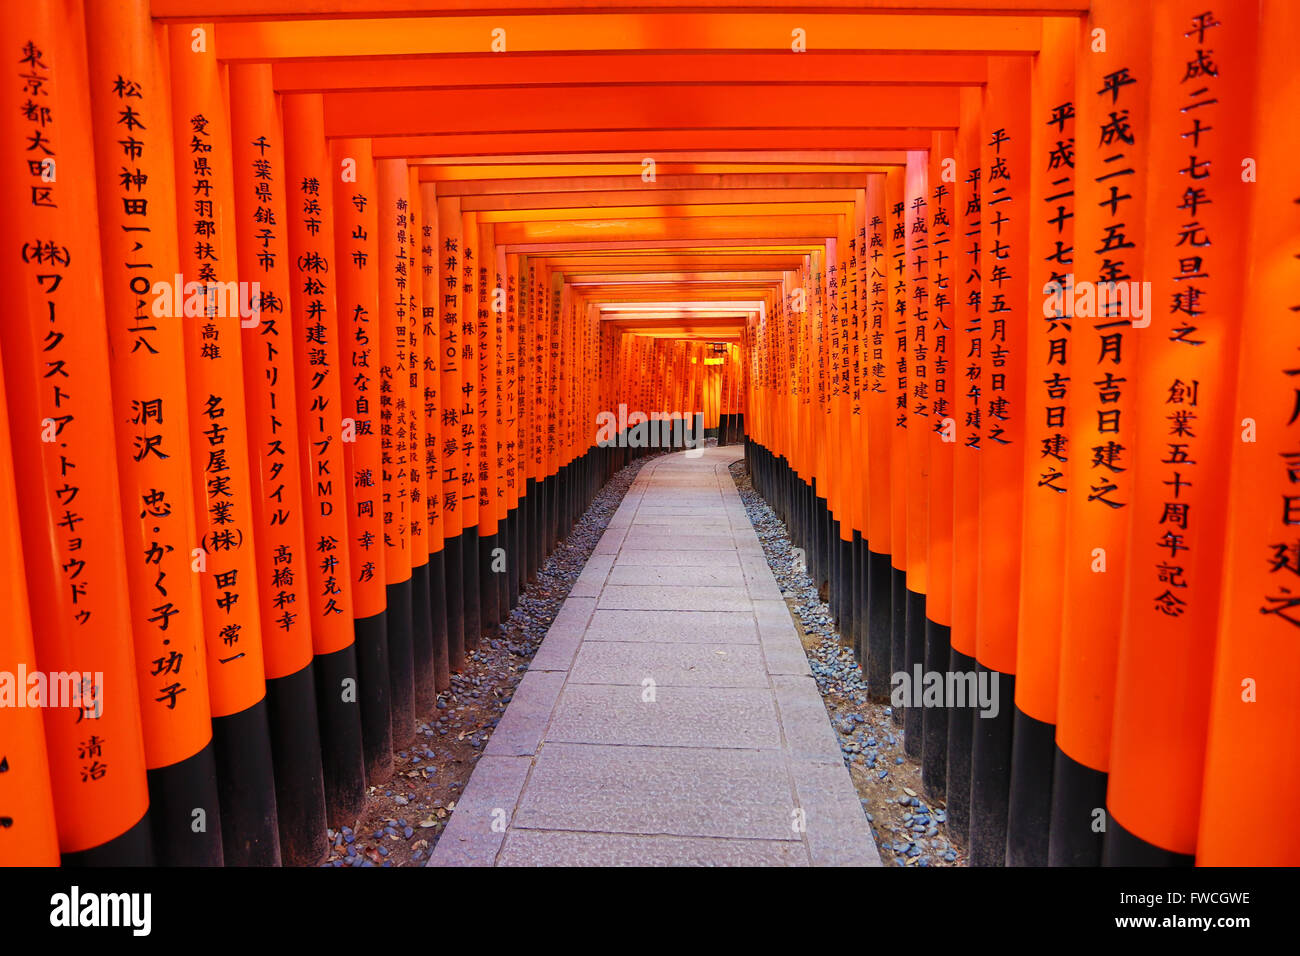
pixel 974 357
pixel 1175 524
pixel 940 236
pixel 1059 200
pixel 1109 462
pixel 919 238
pixel 1001 208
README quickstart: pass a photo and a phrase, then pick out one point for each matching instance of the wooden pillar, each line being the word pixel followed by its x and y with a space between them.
pixel 915 416
pixel 842 448
pixel 1254 694
pixel 61 438
pixel 275 438
pixel 553 287
pixel 394 436
pixel 503 461
pixel 509 444
pixel 219 448
pixel 968 391
pixel 450 364
pixel 1186 328
pixel 539 330
pixel 28 837
pixel 821 420
pixel 859 430
pixel 423 638
pixel 1005 301
pixel 319 332
pixel 431 455
pixel 895 229
pixel 484 401
pixel 1047 404
pixel 1110 186
pixel 880 418
pixel 357 271
pixel 470 428
pixel 137 214
pixel 942 429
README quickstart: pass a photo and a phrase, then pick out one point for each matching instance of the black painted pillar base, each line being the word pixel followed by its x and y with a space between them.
pixel 296 757
pixel 401 661
pixel 879 628
pixel 132 847
pixel 914 715
pixel 897 630
pixel 861 564
pixel 246 787
pixel 961 733
pixel 1029 810
pixel 990 769
pixel 508 580
pixel 561 505
pixel 934 719
pixel 553 483
pixel 338 715
pixel 454 585
pixel 438 619
pixel 541 496
pixel 422 641
pixel 175 792
pixel 518 550
pixel 469 566
pixel 844 584
pixel 1079 820
pixel 1122 847
pixel 488 588
pixel 821 543
pixel 374 692
pixel 852 629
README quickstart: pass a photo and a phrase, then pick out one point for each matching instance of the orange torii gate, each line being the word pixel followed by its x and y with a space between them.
pixel 877 220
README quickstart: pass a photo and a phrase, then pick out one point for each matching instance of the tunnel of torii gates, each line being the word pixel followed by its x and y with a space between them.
pixel 318 313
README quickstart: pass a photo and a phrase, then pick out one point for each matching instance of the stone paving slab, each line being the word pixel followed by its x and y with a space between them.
pixel 675 597
pixel 734 718
pixel 640 539
pixel 726 577
pixel 669 717
pixel 671 627
pixel 683 791
pixel 593 575
pixel 666 557
pixel 475 831
pixel 675 525
pixel 560 848
pixel 680 665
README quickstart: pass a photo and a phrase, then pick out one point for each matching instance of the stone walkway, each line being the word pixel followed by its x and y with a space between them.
pixel 669 717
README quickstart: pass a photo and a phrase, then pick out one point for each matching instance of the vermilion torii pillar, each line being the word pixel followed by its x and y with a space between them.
pixel 285 513
pixel 270 375
pixel 219 453
pixel 137 211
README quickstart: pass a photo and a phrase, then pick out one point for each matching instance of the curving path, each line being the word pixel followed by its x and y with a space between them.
pixel 669 717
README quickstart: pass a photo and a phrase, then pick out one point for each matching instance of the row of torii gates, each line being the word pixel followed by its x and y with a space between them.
pixel 314 305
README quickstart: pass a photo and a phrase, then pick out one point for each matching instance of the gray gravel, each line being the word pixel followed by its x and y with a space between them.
pixel 909 829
